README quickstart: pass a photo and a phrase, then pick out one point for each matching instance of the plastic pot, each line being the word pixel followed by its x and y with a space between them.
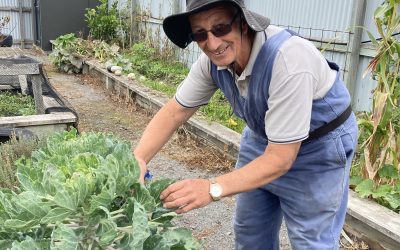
pixel 6 40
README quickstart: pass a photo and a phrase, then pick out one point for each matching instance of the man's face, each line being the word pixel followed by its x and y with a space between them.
pixel 222 50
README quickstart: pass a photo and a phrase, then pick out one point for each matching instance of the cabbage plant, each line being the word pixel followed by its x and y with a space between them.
pixel 82 192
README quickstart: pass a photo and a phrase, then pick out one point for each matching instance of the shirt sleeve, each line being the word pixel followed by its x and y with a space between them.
pixel 290 103
pixel 291 93
pixel 198 87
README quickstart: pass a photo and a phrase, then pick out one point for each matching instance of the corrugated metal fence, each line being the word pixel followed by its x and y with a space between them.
pixel 21 21
pixel 329 24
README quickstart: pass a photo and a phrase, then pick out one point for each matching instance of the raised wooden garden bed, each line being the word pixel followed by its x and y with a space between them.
pixel 26 75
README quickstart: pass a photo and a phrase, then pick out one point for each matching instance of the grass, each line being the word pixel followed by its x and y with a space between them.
pixel 164 75
pixel 12 104
pixel 10 152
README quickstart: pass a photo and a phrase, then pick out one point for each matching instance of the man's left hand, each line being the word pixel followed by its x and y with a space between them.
pixel 187 195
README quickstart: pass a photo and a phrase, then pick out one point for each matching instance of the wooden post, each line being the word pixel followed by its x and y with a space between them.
pixel 135 11
pixel 359 7
pixel 38 94
pixel 23 83
pixel 176 9
pixel 21 24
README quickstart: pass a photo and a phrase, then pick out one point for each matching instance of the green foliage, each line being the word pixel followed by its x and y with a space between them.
pixel 122 61
pixel 10 151
pixel 105 23
pixel 218 109
pixel 387 195
pixel 82 192
pixel 16 104
pixel 69 52
pixel 102 50
pixel 377 160
pixel 147 61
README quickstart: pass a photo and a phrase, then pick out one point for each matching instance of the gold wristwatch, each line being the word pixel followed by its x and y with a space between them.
pixel 215 190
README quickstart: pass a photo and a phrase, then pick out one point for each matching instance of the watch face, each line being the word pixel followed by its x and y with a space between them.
pixel 216 190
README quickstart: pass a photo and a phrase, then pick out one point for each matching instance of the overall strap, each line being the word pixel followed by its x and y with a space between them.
pixel 323 130
pixel 258 92
pixel 262 69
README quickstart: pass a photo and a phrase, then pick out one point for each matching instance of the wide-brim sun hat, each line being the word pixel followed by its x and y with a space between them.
pixel 177 26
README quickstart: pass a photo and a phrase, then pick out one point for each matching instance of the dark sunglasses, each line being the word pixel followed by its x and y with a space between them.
pixel 217 30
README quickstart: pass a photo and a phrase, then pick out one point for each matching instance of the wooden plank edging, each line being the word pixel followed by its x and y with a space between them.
pixel 32 120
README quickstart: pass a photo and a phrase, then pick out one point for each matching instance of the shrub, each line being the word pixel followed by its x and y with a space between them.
pixel 105 23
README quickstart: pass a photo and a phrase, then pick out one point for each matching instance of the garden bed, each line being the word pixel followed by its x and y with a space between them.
pixel 25 75
pixel 375 224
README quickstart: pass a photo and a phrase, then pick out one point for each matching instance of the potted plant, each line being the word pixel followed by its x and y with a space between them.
pixel 5 40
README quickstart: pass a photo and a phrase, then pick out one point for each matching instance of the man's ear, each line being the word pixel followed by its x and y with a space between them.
pixel 245 26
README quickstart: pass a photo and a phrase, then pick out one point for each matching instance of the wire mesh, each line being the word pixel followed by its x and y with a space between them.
pixel 333 44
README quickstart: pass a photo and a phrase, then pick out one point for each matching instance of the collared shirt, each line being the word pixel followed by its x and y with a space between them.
pixel 300 75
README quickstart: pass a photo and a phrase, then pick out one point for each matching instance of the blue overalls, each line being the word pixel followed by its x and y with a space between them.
pixel 312 195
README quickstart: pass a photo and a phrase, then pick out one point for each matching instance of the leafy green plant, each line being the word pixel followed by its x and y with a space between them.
pixel 102 50
pixel 16 104
pixel 69 52
pixel 104 23
pixel 122 61
pixel 82 192
pixel 379 151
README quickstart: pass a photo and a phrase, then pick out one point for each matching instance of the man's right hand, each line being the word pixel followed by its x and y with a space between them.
pixel 159 131
pixel 143 169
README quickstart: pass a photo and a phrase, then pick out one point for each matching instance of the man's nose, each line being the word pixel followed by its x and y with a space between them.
pixel 213 42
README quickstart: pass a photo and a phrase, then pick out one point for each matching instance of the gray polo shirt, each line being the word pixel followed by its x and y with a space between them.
pixel 300 75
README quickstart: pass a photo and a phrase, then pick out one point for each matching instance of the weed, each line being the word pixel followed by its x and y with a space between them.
pixel 9 152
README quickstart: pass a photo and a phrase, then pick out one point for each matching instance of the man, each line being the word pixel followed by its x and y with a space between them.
pixel 296 150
